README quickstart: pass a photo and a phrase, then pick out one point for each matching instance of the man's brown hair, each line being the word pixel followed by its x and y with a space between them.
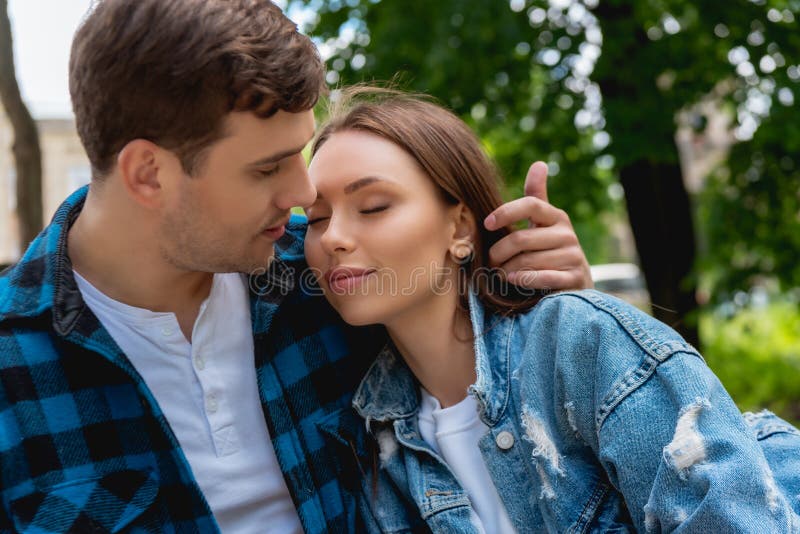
pixel 170 70
pixel 450 154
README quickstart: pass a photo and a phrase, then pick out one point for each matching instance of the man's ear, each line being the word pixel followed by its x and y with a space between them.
pixel 140 169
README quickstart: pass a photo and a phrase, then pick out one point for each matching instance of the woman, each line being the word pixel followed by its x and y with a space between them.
pixel 499 411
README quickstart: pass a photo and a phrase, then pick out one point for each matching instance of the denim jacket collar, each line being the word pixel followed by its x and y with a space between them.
pixel 389 388
pixel 388 391
pixel 493 341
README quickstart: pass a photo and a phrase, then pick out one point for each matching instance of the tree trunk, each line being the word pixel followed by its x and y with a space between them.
pixel 640 119
pixel 26 150
pixel 661 220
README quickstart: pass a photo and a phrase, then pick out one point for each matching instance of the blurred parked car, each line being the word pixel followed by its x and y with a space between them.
pixel 624 281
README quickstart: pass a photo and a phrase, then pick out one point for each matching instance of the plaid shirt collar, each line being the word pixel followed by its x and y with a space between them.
pixel 42 281
pixel 42 284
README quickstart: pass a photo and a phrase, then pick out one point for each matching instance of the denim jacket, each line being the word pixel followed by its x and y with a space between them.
pixel 601 419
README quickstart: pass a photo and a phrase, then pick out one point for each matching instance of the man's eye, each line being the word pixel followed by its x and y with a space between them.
pixel 376 209
pixel 269 172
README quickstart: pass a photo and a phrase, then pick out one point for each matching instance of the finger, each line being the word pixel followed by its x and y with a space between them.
pixel 536 181
pixel 529 209
pixel 532 239
pixel 544 280
pixel 585 275
pixel 572 279
pixel 548 260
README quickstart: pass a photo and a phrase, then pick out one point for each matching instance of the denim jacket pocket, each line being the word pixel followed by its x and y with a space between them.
pixel 765 424
pixel 780 442
pixel 107 503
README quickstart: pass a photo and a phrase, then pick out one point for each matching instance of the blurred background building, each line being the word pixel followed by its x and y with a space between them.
pixel 64 169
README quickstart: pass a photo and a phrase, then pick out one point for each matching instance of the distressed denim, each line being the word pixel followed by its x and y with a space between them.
pixel 601 419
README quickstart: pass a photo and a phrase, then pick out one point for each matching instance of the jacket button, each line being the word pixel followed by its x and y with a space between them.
pixel 505 440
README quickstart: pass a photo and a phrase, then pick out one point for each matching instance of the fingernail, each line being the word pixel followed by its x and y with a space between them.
pixel 490 221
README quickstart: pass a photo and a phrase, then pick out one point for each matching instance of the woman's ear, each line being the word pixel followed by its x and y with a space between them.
pixel 464 222
pixel 462 242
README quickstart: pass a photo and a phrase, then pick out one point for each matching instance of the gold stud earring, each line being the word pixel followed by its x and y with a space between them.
pixel 462 250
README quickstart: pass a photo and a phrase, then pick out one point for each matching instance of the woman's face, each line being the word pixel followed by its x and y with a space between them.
pixel 379 231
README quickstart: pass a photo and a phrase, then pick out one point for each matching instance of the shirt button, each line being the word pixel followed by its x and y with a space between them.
pixel 166 331
pixel 505 440
pixel 211 404
pixel 200 362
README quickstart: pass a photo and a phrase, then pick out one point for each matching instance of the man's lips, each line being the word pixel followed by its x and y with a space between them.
pixel 275 232
pixel 341 279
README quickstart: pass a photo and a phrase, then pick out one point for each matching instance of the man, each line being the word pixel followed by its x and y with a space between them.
pixel 144 384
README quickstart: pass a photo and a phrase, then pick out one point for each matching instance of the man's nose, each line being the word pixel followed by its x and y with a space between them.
pixel 298 191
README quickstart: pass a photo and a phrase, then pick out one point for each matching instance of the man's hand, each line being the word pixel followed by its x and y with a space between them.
pixel 547 254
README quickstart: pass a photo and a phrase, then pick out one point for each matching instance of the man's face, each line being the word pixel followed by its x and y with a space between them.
pixel 227 217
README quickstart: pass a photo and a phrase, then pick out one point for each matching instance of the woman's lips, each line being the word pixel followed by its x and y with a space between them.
pixel 345 279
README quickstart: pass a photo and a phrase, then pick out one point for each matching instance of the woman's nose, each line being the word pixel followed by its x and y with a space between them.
pixel 336 238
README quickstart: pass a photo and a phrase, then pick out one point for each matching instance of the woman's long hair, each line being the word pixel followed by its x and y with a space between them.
pixel 450 153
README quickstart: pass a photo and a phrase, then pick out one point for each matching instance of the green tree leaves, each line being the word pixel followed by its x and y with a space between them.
pixel 527 75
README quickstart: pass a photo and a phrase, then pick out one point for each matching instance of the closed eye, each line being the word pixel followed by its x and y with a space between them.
pixel 266 173
pixel 376 209
pixel 316 220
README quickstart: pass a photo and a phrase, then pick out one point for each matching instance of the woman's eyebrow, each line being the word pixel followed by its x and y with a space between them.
pixel 355 185
pixel 352 187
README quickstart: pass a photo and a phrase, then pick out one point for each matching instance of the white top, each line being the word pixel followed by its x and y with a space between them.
pixel 208 392
pixel 454 433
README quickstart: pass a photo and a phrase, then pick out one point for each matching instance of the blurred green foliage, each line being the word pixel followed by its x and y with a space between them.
pixel 750 212
pixel 756 355
pixel 527 75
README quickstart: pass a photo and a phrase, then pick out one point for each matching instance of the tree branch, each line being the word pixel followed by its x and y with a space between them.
pixel 26 149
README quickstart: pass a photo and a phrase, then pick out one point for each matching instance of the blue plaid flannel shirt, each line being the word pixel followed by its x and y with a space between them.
pixel 83 443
